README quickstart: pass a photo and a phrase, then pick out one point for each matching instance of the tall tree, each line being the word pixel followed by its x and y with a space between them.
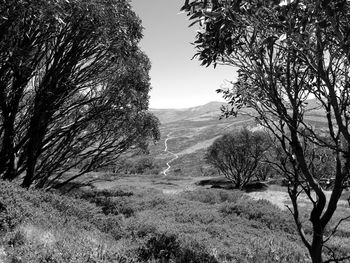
pixel 22 38
pixel 287 52
pixel 74 85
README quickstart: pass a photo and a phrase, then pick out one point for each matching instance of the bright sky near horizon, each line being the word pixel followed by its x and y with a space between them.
pixel 177 81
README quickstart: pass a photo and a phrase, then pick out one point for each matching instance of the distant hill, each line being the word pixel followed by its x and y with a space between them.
pixel 192 130
pixel 209 110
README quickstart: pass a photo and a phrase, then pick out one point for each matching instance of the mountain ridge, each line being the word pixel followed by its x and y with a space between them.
pixel 210 103
pixel 208 110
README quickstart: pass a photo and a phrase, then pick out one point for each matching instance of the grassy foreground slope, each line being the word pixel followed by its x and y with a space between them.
pixel 128 225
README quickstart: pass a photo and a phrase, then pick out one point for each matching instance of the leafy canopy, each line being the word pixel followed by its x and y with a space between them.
pixel 287 52
pixel 73 87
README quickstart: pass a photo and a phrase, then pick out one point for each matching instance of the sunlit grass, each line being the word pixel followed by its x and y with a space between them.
pixel 128 223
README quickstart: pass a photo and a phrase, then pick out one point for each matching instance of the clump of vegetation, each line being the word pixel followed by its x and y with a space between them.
pixel 261 211
pixel 213 196
pixel 161 247
pixel 114 202
pixel 240 156
pixel 141 164
pixel 166 248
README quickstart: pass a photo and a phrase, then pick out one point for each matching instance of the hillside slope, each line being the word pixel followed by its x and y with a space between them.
pixel 173 115
pixel 192 130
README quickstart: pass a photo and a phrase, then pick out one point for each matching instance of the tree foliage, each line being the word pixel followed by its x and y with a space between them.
pixel 240 155
pixel 73 87
pixel 287 52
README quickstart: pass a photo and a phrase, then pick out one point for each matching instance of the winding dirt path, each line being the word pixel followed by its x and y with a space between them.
pixel 166 150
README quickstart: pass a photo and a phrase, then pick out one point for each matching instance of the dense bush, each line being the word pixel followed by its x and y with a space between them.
pixel 166 248
pixel 113 203
pixel 161 247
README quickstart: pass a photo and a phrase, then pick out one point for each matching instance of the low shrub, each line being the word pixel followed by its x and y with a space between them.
pixel 137 228
pixel 262 211
pixel 12 215
pixel 212 196
pixel 37 226
pixel 115 206
pixel 273 250
pixel 17 239
pixel 111 225
pixel 195 215
pixel 111 202
pixel 195 256
pixel 142 164
pixel 126 203
pixel 151 201
pixel 90 195
pixel 161 247
pixel 166 248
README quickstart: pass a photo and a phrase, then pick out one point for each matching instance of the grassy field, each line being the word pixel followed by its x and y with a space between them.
pixel 133 222
pixel 150 219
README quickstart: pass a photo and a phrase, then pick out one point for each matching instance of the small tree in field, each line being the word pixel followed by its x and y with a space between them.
pixel 239 156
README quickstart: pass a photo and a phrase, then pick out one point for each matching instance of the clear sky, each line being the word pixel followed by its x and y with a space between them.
pixel 177 81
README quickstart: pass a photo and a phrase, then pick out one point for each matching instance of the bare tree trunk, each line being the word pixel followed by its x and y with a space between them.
pixel 10 108
pixel 317 245
pixel 31 158
pixel 37 131
pixel 7 154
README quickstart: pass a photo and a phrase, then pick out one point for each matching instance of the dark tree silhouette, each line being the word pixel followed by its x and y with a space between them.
pixel 287 52
pixel 74 87
pixel 239 155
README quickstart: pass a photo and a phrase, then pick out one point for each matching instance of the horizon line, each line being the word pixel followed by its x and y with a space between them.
pixel 185 107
